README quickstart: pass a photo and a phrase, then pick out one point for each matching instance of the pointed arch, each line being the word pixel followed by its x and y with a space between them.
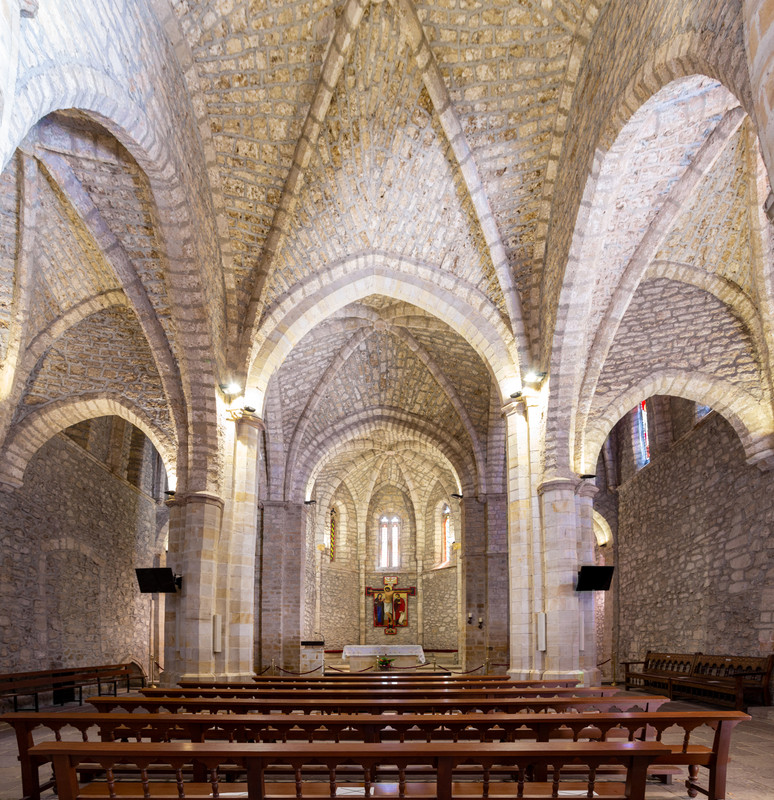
pixel 37 428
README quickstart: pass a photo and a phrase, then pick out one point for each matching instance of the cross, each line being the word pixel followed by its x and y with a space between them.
pixel 390 604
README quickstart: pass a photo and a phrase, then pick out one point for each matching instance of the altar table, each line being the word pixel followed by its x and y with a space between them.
pixel 361 656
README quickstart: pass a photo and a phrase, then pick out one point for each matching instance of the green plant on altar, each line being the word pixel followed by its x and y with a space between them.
pixel 383 662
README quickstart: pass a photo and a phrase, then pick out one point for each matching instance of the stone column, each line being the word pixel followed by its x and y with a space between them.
pixel 585 492
pixel 525 582
pixel 474 570
pixel 194 530
pixel 759 41
pixel 240 607
pixel 560 555
pixel 282 585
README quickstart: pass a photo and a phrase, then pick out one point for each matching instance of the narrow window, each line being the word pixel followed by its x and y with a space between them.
pixel 394 553
pixel 389 541
pixel 446 535
pixel 643 442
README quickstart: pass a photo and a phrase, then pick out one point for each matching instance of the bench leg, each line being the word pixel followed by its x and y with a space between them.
pixel 693 776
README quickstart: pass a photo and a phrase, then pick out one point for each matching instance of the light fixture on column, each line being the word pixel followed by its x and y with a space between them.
pixel 534 377
pixel 470 617
pixel 232 389
pixel 458 496
pixel 480 622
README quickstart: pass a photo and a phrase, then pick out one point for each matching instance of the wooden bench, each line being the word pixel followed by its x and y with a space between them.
pixel 448 705
pixel 321 683
pixel 733 681
pixel 65 682
pixel 441 761
pixel 378 728
pixel 433 692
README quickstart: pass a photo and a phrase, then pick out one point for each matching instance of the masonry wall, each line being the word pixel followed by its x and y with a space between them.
pixel 70 540
pixel 440 609
pixel 696 550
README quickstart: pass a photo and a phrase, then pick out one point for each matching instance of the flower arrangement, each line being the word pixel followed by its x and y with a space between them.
pixel 383 662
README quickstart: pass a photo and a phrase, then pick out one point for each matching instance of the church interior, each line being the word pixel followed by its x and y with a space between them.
pixel 315 301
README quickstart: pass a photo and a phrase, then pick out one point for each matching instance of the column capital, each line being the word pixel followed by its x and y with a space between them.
pixel 558 484
pixel 587 488
pixel 202 497
pixel 241 417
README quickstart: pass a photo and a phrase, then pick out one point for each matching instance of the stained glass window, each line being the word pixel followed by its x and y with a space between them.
pixel 643 442
pixel 332 535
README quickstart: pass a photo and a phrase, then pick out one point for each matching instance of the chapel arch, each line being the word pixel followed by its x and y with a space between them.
pixel 96 95
pixel 628 192
pixel 26 438
pixel 462 307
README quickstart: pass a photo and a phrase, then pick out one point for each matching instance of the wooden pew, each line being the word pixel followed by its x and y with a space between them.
pixel 321 683
pixel 378 728
pixel 727 680
pixel 439 759
pixel 458 704
pixel 66 679
pixel 433 692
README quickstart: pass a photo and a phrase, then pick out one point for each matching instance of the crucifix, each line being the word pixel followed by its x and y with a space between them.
pixel 390 604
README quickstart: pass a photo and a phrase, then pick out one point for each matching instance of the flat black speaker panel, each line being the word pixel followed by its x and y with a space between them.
pixel 594 579
pixel 156 579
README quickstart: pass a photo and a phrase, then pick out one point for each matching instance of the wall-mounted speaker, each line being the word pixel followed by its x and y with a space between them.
pixel 594 579
pixel 157 579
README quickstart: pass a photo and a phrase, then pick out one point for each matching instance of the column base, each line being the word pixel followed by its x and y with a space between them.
pixel 592 677
pixel 563 675
pixel 525 674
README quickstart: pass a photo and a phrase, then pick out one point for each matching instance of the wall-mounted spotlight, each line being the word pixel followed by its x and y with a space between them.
pixel 309 502
pixel 249 409
pixel 470 618
pixel 458 496
pixel 534 377
pixel 170 492
pixel 230 389
pixel 588 477
pixel 480 622
pixel 515 395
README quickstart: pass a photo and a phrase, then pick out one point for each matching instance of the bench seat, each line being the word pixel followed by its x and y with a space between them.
pixel 733 681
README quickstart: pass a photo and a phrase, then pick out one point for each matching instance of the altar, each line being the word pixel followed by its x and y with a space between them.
pixel 362 656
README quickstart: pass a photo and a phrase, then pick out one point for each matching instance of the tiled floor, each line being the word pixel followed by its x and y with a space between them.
pixel 751 772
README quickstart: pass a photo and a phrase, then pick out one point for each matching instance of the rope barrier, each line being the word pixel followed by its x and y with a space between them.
pixel 467 672
pixel 266 670
pixel 308 672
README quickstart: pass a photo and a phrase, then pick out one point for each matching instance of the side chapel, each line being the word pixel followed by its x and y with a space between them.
pixel 375 320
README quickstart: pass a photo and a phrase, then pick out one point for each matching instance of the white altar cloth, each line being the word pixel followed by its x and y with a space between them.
pixel 361 656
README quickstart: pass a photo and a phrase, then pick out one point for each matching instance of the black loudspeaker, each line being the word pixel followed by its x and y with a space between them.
pixel 157 579
pixel 594 579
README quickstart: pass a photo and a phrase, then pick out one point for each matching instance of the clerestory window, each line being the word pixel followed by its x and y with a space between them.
pixel 389 541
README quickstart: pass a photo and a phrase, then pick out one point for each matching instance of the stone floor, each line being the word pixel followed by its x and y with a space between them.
pixel 751 772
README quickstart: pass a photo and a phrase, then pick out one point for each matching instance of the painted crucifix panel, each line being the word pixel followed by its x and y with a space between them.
pixel 391 604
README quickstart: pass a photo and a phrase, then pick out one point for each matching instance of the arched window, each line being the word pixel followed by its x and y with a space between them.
pixel 389 541
pixel 447 537
pixel 643 442
pixel 332 534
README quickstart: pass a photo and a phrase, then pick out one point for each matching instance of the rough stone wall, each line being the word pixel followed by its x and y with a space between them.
pixel 70 539
pixel 695 549
pixel 340 606
pixel 439 608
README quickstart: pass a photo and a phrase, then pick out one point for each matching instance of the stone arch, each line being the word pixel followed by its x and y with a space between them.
pixel 99 96
pixel 680 58
pixel 361 336
pixel 602 531
pixel 466 310
pixel 343 440
pixel 734 404
pixel 35 430
pixel 343 38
